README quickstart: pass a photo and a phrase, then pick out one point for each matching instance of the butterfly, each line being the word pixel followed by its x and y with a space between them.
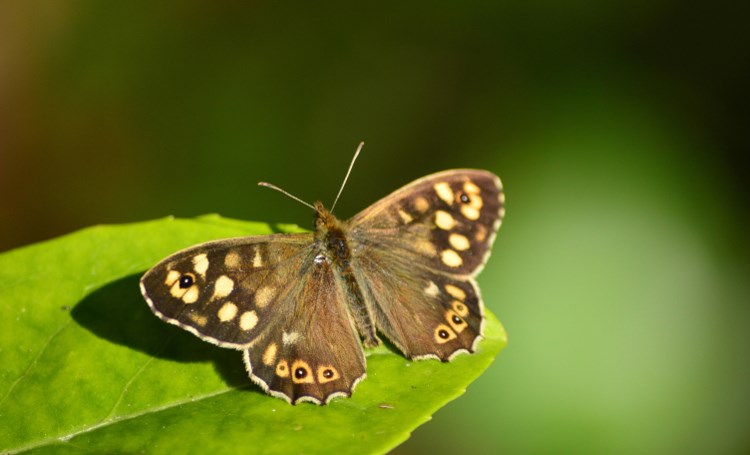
pixel 301 306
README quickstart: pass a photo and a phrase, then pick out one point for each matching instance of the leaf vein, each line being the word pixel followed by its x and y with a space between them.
pixel 33 362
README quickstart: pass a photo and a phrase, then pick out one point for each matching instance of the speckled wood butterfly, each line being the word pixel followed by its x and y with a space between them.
pixel 300 306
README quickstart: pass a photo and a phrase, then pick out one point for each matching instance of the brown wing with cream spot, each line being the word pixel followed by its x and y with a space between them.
pixel 316 354
pixel 447 221
pixel 422 245
pixel 226 292
pixel 429 313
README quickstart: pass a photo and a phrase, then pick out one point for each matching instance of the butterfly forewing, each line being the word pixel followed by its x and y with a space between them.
pixel 447 221
pixel 222 290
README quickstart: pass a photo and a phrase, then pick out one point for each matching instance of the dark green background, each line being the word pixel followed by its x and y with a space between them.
pixel 619 130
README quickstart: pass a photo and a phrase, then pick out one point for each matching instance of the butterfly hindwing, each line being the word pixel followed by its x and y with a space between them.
pixel 315 353
pixel 428 314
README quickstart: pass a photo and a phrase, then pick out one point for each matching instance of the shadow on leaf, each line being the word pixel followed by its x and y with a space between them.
pixel 117 312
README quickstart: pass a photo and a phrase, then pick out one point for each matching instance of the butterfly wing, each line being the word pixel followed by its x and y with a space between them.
pixel 264 295
pixel 422 245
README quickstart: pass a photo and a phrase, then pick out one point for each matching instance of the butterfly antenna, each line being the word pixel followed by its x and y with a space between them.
pixel 356 154
pixel 288 194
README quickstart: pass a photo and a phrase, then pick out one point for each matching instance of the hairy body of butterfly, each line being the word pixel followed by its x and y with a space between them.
pixel 300 306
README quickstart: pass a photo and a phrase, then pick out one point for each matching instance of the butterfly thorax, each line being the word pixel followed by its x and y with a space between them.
pixel 334 252
pixel 330 232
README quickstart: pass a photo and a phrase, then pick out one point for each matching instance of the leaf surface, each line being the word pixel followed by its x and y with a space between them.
pixel 87 367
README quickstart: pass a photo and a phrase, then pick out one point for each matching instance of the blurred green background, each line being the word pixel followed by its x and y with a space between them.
pixel 618 128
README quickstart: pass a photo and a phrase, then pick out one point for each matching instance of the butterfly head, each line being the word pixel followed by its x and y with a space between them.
pixel 325 221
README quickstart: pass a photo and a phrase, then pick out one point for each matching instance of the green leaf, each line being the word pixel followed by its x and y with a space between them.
pixel 87 367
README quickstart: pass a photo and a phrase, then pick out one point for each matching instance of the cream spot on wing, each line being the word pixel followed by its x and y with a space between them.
pixel 269 355
pixel 176 291
pixel 481 234
pixel 444 220
pixel 327 373
pixel 444 334
pixel 232 260
pixel 248 320
pixel 470 212
pixel 475 201
pixel 264 295
pixel 223 287
pixel 501 198
pixel 257 259
pixel 289 338
pixel 425 247
pixel 200 264
pixel 459 242
pixel 192 294
pixel 227 312
pixel 405 217
pixel 172 277
pixel 471 188
pixel 282 369
pixel 451 258
pixel 502 212
pixel 421 204
pixel 455 291
pixel 432 289
pixel 444 192
pixel 198 319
